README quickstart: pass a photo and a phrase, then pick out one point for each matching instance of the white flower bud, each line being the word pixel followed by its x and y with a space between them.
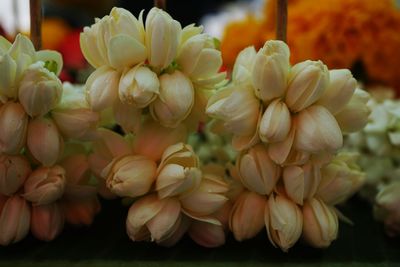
pixel 201 61
pixel 284 221
pixel 44 141
pixel 8 69
pixel 138 86
pixel 154 219
pixel 40 90
pixel 340 179
pixel 270 70
pixel 13 172
pixel 162 38
pixel 307 82
pixel 130 176
pixel 247 216
pixel 102 88
pixel 15 216
pixel 178 172
pixel 13 128
pixel 275 123
pixel 76 123
pixel 175 101
pixel 45 185
pixel 238 108
pixel 242 70
pixel 386 208
pixel 116 40
pixel 257 171
pixel 317 130
pixel 208 198
pixel 339 91
pixel 47 221
pixel 320 225
pixel 354 116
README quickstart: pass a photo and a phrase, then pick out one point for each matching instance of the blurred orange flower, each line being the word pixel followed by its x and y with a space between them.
pixel 339 32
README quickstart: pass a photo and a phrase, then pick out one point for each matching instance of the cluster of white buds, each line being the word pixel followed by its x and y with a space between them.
pixel 154 66
pixel 288 122
pixel 379 145
pixel 173 193
pixel 37 120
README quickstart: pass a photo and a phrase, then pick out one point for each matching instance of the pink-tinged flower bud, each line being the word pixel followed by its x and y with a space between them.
pixel 13 128
pixel 15 216
pixel 247 215
pixel 13 172
pixel 47 221
pixel 44 141
pixel 45 185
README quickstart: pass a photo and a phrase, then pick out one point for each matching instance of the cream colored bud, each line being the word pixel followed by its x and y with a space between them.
pixel 280 151
pixel 270 70
pixel 8 69
pixel 44 141
pixel 340 179
pixel 308 81
pixel 275 123
pixel 237 107
pixel 208 198
pixel 174 180
pixel 320 225
pixel 116 40
pixel 175 101
pixel 339 91
pixel 13 128
pixel 13 172
pixel 317 130
pixel 162 38
pixel 201 60
pixel 40 90
pixel 76 123
pixel 127 116
pixel 284 221
pixel 257 171
pixel 153 139
pixel 102 88
pixel 242 70
pixel 247 215
pixel 130 176
pixel 301 182
pixel 138 86
pixel 15 216
pixel 73 97
pixel 47 221
pixel 188 32
pixel 207 234
pixel 153 219
pixel 45 185
pixel 354 116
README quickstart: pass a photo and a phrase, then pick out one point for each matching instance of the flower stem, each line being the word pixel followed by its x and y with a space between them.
pixel 281 19
pixel 160 4
pixel 36 23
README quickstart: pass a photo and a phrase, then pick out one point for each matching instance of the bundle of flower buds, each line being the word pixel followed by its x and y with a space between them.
pixel 379 145
pixel 43 176
pixel 288 122
pixel 156 79
pixel 158 68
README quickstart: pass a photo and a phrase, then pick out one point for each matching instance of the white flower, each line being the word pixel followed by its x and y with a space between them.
pixel 13 128
pixel 138 86
pixel 162 38
pixel 116 40
pixel 307 82
pixel 175 101
pixel 40 90
pixel 270 70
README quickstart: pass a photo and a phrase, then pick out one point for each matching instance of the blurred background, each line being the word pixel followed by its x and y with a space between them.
pixel 363 35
